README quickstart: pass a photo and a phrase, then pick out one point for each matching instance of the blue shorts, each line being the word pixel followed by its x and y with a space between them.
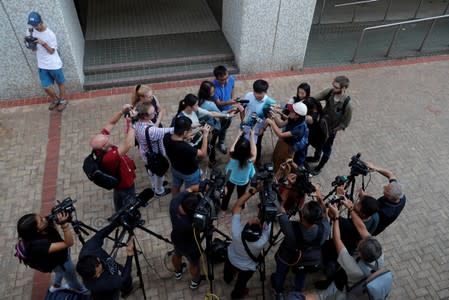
pixel 48 77
pixel 178 178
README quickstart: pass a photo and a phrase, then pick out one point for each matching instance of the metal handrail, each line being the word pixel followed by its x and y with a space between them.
pixel 399 24
pixel 356 5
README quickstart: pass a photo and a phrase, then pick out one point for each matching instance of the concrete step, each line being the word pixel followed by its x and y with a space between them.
pixel 156 73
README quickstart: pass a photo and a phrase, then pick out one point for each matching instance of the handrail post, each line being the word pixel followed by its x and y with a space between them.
pixel 354 11
pixel 358 46
pixel 417 10
pixel 388 8
pixel 427 35
pixel 392 40
pixel 321 12
pixel 447 7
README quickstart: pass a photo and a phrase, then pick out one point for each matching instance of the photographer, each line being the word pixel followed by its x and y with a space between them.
pixel 145 112
pixel 246 239
pixel 104 277
pixel 391 203
pixel 357 267
pixel 182 208
pixel 185 169
pixel 301 248
pixel 365 209
pixel 114 159
pixel 293 139
pixel 48 60
pixel 46 251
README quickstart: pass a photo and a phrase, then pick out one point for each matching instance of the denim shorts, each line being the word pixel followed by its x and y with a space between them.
pixel 48 77
pixel 188 180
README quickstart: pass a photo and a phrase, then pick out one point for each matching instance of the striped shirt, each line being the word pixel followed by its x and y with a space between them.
pixel 156 135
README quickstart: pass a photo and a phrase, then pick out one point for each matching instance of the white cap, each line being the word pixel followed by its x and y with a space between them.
pixel 299 108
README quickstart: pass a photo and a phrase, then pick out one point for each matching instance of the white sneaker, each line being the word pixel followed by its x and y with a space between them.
pixel 53 289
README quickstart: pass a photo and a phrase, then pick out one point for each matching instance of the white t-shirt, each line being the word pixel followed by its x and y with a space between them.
pixel 46 60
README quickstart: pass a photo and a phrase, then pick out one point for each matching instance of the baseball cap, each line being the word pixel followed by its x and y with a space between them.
pixel 34 18
pixel 299 108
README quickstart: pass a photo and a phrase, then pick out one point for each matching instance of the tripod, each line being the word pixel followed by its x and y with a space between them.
pixel 81 228
pixel 208 233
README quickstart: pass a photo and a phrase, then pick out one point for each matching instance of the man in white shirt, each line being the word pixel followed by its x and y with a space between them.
pixel 48 61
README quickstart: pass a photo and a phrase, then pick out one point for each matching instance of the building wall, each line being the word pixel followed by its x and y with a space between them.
pixel 268 35
pixel 19 63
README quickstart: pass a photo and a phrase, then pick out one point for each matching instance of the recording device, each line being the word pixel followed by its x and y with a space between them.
pixel 131 114
pixel 333 199
pixel 269 201
pixel 242 101
pixel 129 216
pixel 66 206
pixel 251 121
pixel 340 180
pixel 302 182
pixel 358 167
pixel 212 191
pixel 30 40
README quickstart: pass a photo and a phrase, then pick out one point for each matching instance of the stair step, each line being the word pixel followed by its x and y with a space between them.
pixel 175 61
pixel 150 75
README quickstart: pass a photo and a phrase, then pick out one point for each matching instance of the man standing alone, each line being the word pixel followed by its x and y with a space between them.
pixel 48 61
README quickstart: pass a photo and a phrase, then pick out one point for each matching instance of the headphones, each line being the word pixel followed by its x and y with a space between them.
pixel 250 234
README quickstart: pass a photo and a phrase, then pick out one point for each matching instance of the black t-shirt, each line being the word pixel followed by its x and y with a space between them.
pixel 107 286
pixel 182 156
pixel 182 230
pixel 37 251
pixel 388 211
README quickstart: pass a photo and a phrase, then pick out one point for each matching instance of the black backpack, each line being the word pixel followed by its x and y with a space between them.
pixel 93 170
pixel 157 163
pixel 310 250
pixel 66 295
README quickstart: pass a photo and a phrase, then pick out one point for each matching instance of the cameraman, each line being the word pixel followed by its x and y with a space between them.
pixel 239 260
pixel 301 247
pixel 46 251
pixel 182 209
pixel 114 159
pixel 104 277
pixel 48 61
pixel 391 203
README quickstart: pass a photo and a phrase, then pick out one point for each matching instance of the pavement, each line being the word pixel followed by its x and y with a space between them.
pixel 400 121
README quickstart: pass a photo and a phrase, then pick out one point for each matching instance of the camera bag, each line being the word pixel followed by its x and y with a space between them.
pixel 92 169
pixel 157 163
pixel 36 264
pixel 310 250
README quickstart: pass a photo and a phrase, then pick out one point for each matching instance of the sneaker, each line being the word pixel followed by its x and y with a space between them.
pixel 53 289
pixel 195 284
pixel 53 104
pixel 62 104
pixel 222 148
pixel 315 171
pixel 178 275
pixel 165 192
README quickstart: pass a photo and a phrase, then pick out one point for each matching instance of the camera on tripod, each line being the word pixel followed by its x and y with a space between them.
pixel 269 200
pixel 30 40
pixel 211 190
pixel 66 206
pixel 358 167
pixel 129 216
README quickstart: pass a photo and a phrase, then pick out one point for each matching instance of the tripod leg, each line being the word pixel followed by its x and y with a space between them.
pixel 139 271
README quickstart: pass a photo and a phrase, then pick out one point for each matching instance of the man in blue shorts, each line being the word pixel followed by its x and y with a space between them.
pixel 48 61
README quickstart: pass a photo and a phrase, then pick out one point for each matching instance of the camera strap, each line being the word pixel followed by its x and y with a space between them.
pixel 250 254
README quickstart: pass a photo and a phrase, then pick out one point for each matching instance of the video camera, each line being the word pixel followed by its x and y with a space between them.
pixel 212 190
pixel 30 40
pixel 269 201
pixel 334 199
pixel 129 216
pixel 66 206
pixel 358 167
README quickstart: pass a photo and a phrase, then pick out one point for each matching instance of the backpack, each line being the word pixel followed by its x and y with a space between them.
pixel 157 163
pixel 303 142
pixel 377 285
pixel 66 295
pixel 21 254
pixel 310 250
pixel 92 169
pixel 324 120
